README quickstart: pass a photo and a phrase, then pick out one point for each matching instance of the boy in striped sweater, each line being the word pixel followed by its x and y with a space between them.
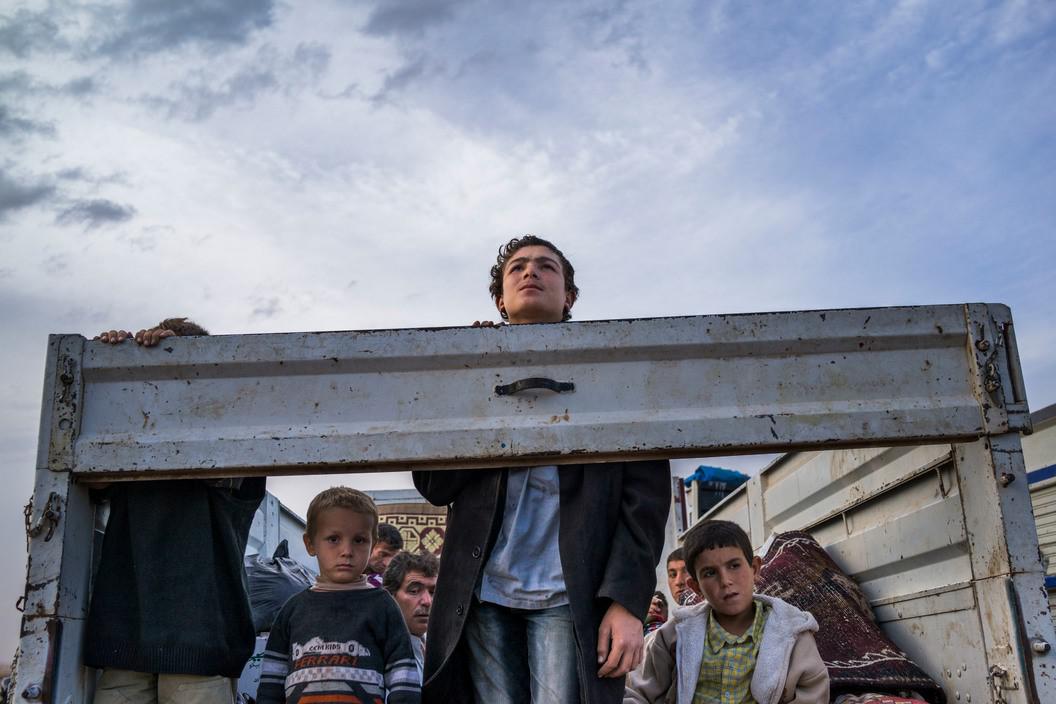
pixel 342 641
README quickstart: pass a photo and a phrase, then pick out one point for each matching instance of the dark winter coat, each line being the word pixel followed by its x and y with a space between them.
pixel 170 595
pixel 612 522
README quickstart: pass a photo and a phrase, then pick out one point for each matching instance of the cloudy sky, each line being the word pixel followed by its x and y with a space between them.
pixel 262 165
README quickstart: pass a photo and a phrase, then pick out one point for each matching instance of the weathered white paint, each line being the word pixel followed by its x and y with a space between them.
pixel 318 402
pixel 658 387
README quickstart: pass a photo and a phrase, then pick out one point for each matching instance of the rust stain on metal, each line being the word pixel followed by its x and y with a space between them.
pixel 34 586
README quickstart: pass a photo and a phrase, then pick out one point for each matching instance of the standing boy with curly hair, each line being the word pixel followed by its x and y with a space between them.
pixel 546 572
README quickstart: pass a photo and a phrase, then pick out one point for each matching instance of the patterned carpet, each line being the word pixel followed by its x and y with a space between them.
pixel 859 656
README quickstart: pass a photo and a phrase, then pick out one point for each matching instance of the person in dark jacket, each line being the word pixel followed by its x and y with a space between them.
pixel 546 572
pixel 170 619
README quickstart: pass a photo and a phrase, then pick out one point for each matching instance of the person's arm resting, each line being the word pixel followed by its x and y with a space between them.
pixel 635 551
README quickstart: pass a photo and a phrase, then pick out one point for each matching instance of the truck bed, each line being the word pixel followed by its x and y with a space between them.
pixel 904 523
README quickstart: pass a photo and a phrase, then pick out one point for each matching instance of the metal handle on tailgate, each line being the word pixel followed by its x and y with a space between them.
pixel 534 382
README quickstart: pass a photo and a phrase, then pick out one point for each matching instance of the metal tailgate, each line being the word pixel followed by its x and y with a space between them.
pixel 396 399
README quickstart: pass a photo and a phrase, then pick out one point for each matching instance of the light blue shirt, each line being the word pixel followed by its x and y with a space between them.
pixel 524 569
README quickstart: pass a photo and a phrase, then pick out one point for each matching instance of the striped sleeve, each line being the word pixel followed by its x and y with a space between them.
pixel 402 681
pixel 275 663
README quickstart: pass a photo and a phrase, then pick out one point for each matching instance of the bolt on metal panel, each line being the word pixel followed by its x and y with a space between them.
pixel 397 399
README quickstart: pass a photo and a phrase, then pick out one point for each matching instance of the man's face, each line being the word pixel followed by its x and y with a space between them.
pixel 677 579
pixel 415 599
pixel 380 557
pixel 533 287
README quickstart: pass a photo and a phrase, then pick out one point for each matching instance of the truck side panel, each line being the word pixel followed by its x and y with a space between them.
pixel 1039 455
pixel 938 539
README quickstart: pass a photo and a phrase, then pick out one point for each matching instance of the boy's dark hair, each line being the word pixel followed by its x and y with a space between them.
pixel 390 535
pixel 660 595
pixel 510 248
pixel 341 497
pixel 405 562
pixel 182 327
pixel 711 535
pixel 677 555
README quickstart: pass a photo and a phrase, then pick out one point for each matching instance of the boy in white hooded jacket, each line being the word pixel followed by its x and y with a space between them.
pixel 738 647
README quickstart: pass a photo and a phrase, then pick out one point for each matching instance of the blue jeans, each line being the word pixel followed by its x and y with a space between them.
pixel 522 656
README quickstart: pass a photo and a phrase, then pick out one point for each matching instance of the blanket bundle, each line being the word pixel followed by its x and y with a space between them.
pixel 859 657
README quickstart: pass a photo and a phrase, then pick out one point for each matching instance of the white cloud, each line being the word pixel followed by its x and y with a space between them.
pixel 690 159
pixel 1016 19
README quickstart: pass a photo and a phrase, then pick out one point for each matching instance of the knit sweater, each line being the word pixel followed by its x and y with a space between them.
pixel 340 647
pixel 170 594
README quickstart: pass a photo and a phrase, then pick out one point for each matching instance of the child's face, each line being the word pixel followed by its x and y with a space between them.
pixel 533 287
pixel 341 543
pixel 726 579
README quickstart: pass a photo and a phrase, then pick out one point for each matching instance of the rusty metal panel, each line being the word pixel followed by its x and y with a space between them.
pixel 658 387
pixel 998 515
pixel 1006 563
pixel 961 661
pixel 992 341
pixel 59 526
pixel 327 402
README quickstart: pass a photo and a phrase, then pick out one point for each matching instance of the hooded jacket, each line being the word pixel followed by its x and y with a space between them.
pixel 788 669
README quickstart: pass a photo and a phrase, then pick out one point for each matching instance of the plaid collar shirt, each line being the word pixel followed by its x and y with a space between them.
pixel 728 662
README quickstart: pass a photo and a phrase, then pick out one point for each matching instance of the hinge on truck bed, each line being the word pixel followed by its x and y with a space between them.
pixel 1000 680
pixel 997 678
pixel 67 404
pixel 992 342
pixel 49 516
